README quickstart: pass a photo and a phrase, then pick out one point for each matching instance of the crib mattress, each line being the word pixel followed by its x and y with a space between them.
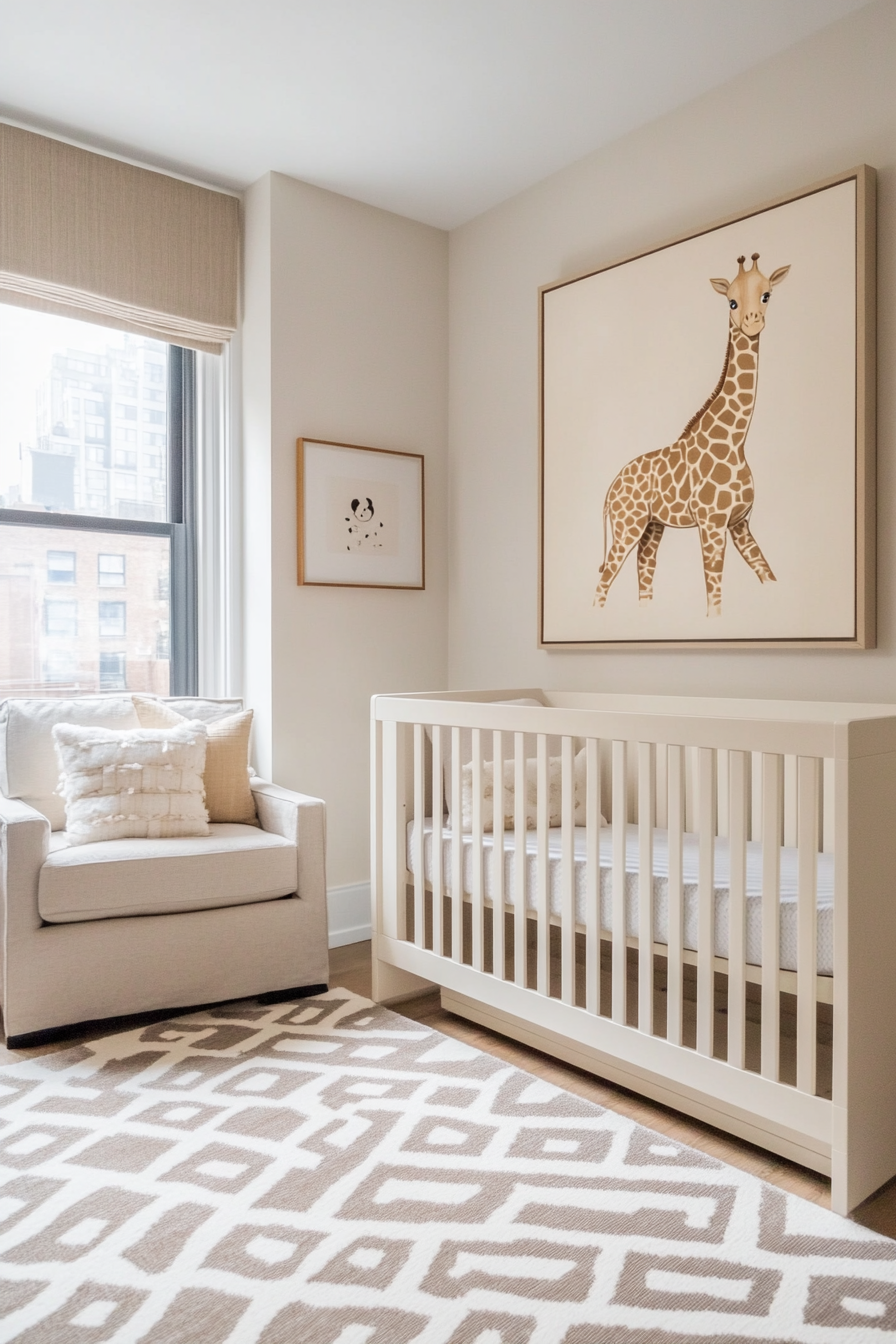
pixel 787 886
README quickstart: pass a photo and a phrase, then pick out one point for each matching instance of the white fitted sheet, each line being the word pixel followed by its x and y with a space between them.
pixel 787 886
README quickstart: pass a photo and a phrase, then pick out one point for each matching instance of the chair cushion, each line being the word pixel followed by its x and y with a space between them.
pixel 28 766
pixel 234 865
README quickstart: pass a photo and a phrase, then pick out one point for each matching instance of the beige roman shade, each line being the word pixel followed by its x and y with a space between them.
pixel 91 237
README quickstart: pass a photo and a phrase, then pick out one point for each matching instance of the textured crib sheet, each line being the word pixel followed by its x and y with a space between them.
pixel 787 886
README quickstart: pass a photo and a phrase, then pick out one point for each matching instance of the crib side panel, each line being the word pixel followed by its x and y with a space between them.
pixel 864 1139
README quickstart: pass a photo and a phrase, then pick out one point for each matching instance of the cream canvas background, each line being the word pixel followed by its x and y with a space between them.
pixel 632 352
pixel 393 477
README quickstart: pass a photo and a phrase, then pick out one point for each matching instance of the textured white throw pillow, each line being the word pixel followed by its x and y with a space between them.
pixel 555 793
pixel 142 782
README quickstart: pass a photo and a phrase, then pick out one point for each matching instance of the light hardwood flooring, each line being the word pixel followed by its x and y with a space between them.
pixel 350 969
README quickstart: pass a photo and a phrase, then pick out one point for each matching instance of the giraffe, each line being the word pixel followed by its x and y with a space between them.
pixel 701 480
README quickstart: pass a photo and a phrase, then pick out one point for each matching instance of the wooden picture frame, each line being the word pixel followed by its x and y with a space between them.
pixel 783 471
pixel 360 516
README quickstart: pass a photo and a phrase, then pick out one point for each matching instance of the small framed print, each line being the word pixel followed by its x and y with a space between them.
pixel 360 516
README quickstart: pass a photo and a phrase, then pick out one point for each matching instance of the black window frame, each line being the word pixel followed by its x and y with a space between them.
pixel 180 528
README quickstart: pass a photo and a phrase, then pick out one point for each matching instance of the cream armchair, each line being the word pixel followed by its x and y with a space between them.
pixel 127 926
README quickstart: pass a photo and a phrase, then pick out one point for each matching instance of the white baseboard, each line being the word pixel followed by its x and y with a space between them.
pixel 348 910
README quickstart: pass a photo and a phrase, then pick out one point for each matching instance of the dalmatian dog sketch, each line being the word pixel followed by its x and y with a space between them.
pixel 682 504
pixel 365 531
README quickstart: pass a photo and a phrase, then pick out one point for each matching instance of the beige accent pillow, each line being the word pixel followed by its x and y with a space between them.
pixel 154 713
pixel 228 796
pixel 140 782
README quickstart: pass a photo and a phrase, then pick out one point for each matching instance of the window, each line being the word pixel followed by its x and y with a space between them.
pixel 60 566
pixel 61 618
pixel 110 571
pixel 60 666
pixel 74 511
pixel 154 417
pixel 112 620
pixel 113 672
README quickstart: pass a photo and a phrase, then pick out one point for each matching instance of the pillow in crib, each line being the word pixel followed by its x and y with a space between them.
pixel 143 782
pixel 555 794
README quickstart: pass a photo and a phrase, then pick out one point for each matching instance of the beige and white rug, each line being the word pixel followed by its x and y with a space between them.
pixel 328 1172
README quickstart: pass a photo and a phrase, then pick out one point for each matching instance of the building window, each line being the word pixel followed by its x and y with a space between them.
pixel 60 667
pixel 112 620
pixel 125 458
pixel 113 672
pixel 61 618
pixel 125 412
pixel 110 571
pixel 163 645
pixel 60 566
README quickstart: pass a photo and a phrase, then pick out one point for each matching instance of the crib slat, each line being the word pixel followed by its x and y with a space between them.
pixel 738 792
pixel 592 875
pixel 827 830
pixel 457 852
pixel 706 800
pixel 772 782
pixel 497 857
pixel 567 874
pixel 478 903
pixel 395 839
pixel 808 777
pixel 646 810
pixel 519 860
pixel 620 817
pixel 419 813
pixel 790 802
pixel 675 974
pixel 437 822
pixel 543 946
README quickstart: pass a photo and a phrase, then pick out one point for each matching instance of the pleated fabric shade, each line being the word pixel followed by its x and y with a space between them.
pixel 91 237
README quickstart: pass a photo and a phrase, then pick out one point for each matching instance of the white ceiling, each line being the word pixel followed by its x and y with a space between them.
pixel 436 109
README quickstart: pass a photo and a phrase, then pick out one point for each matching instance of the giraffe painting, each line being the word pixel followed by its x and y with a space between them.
pixel 702 480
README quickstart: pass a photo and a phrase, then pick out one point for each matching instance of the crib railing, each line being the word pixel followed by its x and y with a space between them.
pixel 495 878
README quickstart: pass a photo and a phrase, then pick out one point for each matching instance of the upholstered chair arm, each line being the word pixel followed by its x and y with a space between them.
pixel 303 820
pixel 24 845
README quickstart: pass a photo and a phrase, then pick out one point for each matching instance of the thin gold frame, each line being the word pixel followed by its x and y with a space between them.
pixel 300 516
pixel 865 630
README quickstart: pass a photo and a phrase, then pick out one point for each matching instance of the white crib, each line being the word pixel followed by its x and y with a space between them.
pixel 740 835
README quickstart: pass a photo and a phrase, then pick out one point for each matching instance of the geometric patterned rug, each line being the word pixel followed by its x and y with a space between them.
pixel 328 1172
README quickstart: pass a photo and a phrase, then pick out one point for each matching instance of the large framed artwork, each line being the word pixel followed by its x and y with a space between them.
pixel 707 435
pixel 360 516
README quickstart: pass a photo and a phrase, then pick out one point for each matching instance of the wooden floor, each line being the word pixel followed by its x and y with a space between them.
pixel 350 969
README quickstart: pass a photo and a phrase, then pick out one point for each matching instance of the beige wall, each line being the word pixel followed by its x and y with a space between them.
pixel 348 304
pixel 821 107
